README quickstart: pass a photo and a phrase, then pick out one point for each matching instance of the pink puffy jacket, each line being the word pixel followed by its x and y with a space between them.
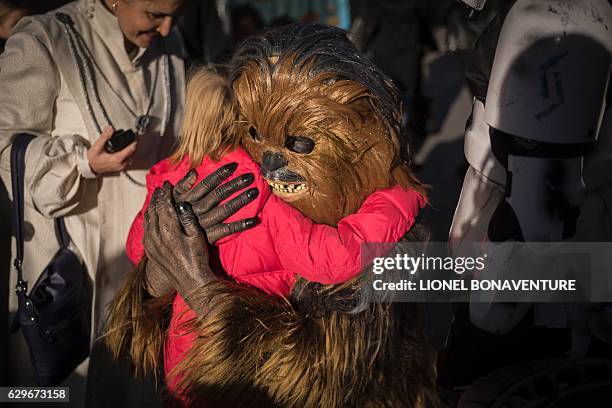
pixel 283 245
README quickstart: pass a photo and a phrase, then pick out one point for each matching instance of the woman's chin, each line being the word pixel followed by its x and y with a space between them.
pixel 145 40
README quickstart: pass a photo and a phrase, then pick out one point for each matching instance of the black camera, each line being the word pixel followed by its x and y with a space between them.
pixel 119 141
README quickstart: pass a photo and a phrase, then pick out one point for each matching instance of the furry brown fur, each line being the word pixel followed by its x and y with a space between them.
pixel 338 117
pixel 325 346
pixel 357 147
pixel 136 323
pixel 259 352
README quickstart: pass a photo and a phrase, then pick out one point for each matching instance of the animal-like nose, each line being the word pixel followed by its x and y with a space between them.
pixel 273 161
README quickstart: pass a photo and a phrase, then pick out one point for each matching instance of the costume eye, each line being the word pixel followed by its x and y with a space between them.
pixel 299 144
pixel 254 134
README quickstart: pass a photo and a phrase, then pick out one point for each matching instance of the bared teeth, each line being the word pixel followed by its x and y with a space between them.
pixel 287 188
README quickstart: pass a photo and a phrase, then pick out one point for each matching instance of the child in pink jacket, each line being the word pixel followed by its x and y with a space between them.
pixel 285 243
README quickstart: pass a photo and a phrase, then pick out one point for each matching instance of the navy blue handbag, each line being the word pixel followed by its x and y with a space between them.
pixel 55 316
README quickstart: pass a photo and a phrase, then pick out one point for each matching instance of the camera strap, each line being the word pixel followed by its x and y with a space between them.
pixel 82 59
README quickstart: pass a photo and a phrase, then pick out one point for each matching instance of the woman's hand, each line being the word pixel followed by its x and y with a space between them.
pixel 102 162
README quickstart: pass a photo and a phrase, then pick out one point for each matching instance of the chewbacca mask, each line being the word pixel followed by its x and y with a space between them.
pixel 322 121
pixel 324 124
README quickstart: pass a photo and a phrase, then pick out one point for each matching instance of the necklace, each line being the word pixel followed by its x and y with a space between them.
pixel 82 58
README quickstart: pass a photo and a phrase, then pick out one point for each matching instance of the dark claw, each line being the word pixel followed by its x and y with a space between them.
pixel 251 222
pixel 247 178
pixel 192 173
pixel 186 182
pixel 154 197
pixel 229 169
pixel 183 208
pixel 185 214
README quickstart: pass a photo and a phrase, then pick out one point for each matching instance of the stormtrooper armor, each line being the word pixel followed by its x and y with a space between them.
pixel 531 132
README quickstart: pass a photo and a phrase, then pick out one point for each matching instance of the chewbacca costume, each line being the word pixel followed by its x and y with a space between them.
pixel 314 112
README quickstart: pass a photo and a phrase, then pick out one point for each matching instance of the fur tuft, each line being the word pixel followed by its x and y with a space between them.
pixel 312 351
pixel 136 324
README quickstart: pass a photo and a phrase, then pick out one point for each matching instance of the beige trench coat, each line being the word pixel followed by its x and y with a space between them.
pixel 41 93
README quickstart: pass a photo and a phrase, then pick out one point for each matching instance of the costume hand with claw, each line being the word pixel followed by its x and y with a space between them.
pixel 180 262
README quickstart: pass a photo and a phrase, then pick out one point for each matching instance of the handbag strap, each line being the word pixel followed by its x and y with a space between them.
pixel 18 150
pixel 62 233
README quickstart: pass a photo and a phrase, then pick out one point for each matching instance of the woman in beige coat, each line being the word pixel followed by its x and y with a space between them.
pixel 71 81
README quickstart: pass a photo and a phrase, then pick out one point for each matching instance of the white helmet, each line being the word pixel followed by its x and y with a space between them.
pixel 551 71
